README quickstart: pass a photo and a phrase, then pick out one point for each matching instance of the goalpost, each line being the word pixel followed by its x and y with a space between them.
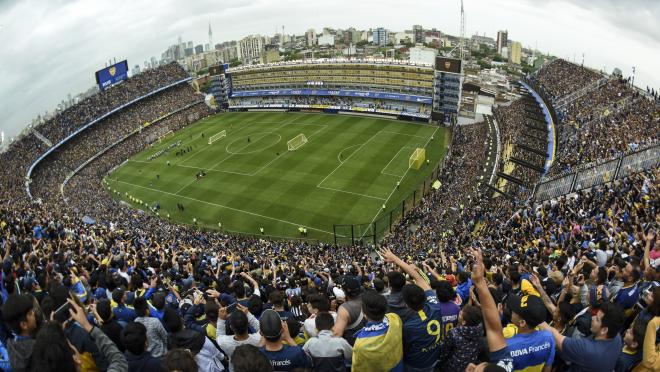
pixel 217 136
pixel 160 139
pixel 417 158
pixel 296 142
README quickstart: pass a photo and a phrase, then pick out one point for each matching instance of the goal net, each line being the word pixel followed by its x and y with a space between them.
pixel 296 142
pixel 417 158
pixel 217 136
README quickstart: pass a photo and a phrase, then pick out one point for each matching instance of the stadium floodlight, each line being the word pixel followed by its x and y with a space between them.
pixel 217 136
pixel 296 142
pixel 417 158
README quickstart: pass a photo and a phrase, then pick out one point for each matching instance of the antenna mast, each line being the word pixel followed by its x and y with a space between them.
pixel 462 52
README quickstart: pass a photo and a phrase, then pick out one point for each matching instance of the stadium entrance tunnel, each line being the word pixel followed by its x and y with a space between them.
pixel 253 143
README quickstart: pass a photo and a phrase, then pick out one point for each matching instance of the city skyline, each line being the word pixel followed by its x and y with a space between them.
pixel 47 57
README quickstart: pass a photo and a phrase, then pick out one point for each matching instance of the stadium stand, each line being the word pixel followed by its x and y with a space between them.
pixel 526 278
pixel 385 87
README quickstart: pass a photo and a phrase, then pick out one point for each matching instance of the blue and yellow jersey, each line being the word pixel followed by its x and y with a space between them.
pixel 78 288
pixel 422 334
pixel 532 351
pixel 379 346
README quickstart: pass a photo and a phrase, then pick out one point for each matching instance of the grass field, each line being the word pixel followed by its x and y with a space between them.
pixel 346 172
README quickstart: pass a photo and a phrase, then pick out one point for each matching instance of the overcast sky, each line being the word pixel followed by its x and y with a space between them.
pixel 49 48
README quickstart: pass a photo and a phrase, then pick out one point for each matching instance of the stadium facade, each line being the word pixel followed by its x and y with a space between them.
pixel 402 89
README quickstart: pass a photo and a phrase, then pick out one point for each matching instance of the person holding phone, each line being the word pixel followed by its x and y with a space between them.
pixel 240 322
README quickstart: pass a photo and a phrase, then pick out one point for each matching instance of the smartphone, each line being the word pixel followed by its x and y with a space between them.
pixel 62 313
pixel 231 308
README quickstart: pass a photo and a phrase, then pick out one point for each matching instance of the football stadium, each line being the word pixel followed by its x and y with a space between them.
pixel 349 200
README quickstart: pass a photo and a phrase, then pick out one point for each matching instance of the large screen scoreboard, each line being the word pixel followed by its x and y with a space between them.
pixel 112 75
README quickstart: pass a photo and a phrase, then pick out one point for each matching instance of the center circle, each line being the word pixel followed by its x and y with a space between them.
pixel 258 142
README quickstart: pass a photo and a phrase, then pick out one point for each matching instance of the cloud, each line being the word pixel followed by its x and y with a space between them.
pixel 51 48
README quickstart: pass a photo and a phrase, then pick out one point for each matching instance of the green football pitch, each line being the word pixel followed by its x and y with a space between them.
pixel 347 171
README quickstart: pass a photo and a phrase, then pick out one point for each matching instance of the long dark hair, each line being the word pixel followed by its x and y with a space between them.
pixel 51 351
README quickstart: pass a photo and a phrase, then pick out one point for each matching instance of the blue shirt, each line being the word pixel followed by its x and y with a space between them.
pixel 287 358
pixel 587 354
pixel 502 358
pixel 124 313
pixel 422 333
pixel 532 351
pixel 627 296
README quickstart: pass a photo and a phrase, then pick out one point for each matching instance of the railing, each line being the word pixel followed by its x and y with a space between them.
pixel 366 233
pixel 561 102
pixel 55 147
pixel 599 174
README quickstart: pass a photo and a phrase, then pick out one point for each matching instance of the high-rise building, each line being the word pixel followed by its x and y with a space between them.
pixel 380 36
pixel 310 35
pixel 199 49
pixel 502 40
pixel 326 39
pixel 249 49
pixel 210 33
pixel 515 52
pixel 351 36
pixel 418 34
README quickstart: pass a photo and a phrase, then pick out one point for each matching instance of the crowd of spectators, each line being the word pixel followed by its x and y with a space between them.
pixel 561 78
pixel 605 121
pixel 465 281
pixel 66 122
pixel 346 103
pixel 52 170
pixel 524 137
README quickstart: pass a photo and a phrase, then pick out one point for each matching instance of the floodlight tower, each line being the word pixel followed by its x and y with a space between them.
pixel 462 41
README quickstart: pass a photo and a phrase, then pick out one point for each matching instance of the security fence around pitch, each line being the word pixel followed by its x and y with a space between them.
pixel 598 174
pixel 371 233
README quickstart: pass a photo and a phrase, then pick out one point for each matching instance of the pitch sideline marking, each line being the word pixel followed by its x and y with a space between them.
pixel 226 207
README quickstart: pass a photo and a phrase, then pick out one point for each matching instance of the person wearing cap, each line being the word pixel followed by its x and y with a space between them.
pixel 600 351
pixel 530 348
pixel 283 356
pixel 350 317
